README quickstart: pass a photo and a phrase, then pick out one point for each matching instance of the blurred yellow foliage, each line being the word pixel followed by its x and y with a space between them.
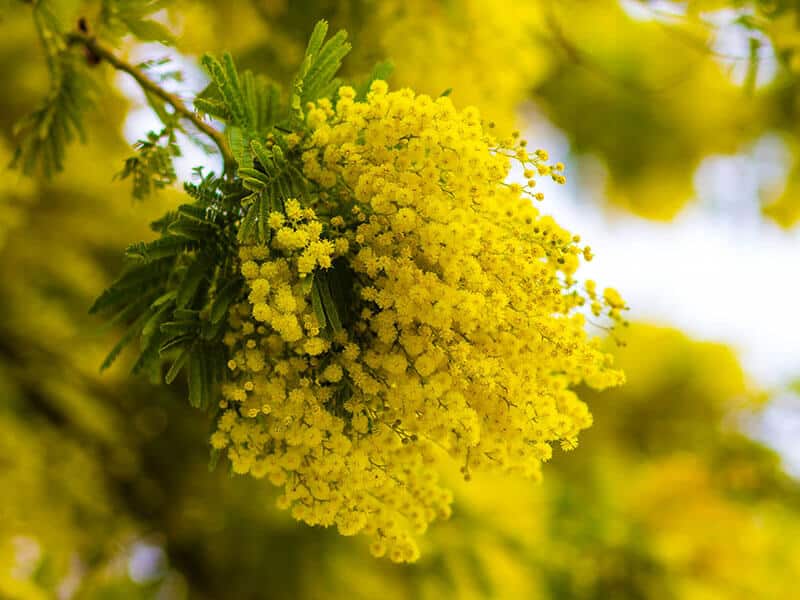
pixel 663 498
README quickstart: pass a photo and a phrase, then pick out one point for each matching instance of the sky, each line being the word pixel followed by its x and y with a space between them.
pixel 719 271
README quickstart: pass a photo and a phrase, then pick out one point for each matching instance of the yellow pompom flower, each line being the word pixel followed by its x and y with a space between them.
pixel 461 337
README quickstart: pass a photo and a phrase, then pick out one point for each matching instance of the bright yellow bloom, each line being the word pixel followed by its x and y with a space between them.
pixel 464 339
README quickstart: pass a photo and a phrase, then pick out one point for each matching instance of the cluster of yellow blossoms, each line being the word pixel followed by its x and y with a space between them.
pixel 463 336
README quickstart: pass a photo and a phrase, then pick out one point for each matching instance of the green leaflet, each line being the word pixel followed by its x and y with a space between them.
pixel 199 272
pixel 153 324
pixel 151 167
pixel 126 339
pixel 331 296
pixel 237 139
pixel 226 296
pixel 248 228
pixel 130 285
pixel 253 179
pixel 45 133
pixel 198 379
pixel 213 108
pixel 316 303
pixel 120 17
pixel 181 340
pixel 224 75
pixel 204 372
pixel 177 366
pixel 164 247
pixel 264 208
pixel 179 328
pixel 315 78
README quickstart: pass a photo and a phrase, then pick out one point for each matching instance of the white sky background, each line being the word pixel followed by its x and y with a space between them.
pixel 718 272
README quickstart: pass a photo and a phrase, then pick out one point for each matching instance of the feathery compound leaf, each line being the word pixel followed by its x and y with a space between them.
pixel 271 159
pixel 45 133
pixel 247 101
pixel 200 230
pixel 319 78
pixel 262 99
pixel 126 339
pixel 238 141
pixel 238 103
pixel 169 245
pixel 224 75
pixel 269 106
pixel 315 41
pixel 151 168
pixel 320 64
pixel 322 300
pixel 198 272
pixel 201 378
pixel 313 48
pixel 131 285
pixel 213 108
pixel 179 288
pixel 316 304
pixel 180 362
pixel 255 175
pixel 121 17
pixel 226 296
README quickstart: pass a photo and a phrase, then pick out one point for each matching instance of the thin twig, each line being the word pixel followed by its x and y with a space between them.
pixel 105 53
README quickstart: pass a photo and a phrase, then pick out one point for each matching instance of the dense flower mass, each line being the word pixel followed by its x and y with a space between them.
pixel 457 330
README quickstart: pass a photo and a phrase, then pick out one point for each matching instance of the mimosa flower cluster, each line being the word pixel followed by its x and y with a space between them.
pixel 462 341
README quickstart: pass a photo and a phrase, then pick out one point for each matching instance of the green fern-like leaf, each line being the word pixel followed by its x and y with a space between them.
pixel 151 168
pixel 316 77
pixel 164 247
pixel 45 133
pixel 177 290
pixel 121 17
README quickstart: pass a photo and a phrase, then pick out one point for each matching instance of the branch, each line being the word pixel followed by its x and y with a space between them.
pixel 102 52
